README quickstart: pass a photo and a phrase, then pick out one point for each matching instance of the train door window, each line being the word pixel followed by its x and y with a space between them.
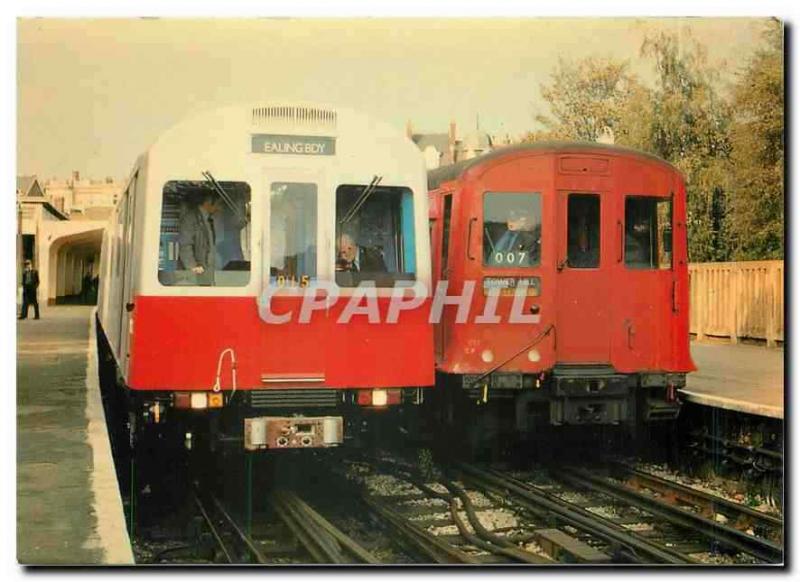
pixel 583 231
pixel 375 238
pixel 648 232
pixel 293 234
pixel 122 214
pixel 205 234
pixel 448 207
pixel 512 229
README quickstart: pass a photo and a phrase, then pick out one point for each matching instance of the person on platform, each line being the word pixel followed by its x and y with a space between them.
pixel 30 285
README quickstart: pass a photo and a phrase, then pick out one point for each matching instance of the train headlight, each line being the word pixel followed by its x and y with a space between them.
pixel 534 355
pixel 380 398
pixel 199 400
pixel 487 356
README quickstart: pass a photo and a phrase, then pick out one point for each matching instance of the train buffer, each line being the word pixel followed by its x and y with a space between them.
pixel 743 378
pixel 68 503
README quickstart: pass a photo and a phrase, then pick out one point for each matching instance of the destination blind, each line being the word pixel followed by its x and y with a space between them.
pixel 300 145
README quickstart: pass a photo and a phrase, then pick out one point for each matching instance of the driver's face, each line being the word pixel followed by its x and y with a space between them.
pixel 518 221
pixel 347 249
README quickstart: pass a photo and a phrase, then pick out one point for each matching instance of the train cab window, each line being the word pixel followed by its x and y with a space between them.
pixel 205 234
pixel 583 231
pixel 374 235
pixel 648 232
pixel 512 229
pixel 293 234
pixel 448 210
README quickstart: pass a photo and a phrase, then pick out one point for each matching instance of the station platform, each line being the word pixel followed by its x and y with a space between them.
pixel 69 509
pixel 743 378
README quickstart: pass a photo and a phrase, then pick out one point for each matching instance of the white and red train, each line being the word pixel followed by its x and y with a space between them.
pixel 244 200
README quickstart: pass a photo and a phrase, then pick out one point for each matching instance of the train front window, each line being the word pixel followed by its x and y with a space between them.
pixel 374 235
pixel 648 232
pixel 512 229
pixel 293 234
pixel 583 231
pixel 205 234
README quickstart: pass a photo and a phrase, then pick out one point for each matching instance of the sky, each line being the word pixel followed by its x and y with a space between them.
pixel 92 94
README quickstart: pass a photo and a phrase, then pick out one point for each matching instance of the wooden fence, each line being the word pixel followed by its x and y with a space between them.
pixel 737 300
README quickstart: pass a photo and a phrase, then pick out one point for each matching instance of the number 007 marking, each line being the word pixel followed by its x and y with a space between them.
pixel 510 258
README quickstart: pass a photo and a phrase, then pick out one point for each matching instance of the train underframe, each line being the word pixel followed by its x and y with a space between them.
pixel 522 405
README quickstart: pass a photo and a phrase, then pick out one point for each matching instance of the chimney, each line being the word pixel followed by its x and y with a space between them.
pixel 409 129
pixel 76 176
pixel 452 132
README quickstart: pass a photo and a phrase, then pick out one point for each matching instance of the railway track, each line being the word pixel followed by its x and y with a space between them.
pixel 317 540
pixel 660 514
pixel 733 525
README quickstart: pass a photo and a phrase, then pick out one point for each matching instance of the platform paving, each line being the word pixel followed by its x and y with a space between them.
pixel 69 509
pixel 741 377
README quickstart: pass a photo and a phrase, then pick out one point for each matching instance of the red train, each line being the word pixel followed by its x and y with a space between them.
pixel 591 241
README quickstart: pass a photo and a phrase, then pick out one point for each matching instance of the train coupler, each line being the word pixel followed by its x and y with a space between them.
pixel 292 432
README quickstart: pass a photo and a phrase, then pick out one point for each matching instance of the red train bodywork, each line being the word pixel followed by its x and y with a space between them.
pixel 614 332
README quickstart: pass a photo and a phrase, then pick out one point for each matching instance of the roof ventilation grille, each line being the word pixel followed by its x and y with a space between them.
pixel 290 115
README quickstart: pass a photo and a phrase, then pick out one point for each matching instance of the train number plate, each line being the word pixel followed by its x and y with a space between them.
pixel 508 285
pixel 292 432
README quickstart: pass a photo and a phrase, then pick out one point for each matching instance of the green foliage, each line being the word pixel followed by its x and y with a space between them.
pixel 757 201
pixel 730 151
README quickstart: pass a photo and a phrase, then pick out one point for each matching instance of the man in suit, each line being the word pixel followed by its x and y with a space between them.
pixel 518 245
pixel 197 239
pixel 354 258
pixel 30 283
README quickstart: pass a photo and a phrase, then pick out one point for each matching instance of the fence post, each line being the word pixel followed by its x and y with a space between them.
pixel 733 302
pixel 702 310
pixel 772 304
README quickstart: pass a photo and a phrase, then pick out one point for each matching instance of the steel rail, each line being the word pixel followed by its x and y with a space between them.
pixel 321 537
pixel 759 548
pixel 424 542
pixel 706 501
pixel 240 534
pixel 214 531
pixel 575 516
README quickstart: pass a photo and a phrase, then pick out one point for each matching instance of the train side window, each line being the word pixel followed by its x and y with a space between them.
pixel 205 234
pixel 512 229
pixel 648 232
pixel 293 234
pixel 448 207
pixel 583 231
pixel 375 239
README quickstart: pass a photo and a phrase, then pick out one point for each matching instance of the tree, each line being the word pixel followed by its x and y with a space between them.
pixel 584 98
pixel 689 127
pixel 757 201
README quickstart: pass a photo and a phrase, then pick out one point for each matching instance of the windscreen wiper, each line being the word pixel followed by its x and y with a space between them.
pixel 226 198
pixel 361 199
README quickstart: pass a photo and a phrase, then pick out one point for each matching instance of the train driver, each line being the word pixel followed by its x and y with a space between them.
pixel 518 244
pixel 197 239
pixel 355 258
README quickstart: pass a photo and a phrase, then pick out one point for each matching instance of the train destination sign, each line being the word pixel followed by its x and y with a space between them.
pixel 301 145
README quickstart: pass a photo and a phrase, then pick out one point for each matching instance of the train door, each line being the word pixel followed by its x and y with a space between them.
pixel 645 255
pixel 293 259
pixel 442 263
pixel 127 268
pixel 583 282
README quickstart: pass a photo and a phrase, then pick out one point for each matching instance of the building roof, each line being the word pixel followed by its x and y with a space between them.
pixel 440 141
pixel 25 186
pixel 453 171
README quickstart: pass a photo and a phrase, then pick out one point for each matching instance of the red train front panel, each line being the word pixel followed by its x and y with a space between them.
pixel 607 266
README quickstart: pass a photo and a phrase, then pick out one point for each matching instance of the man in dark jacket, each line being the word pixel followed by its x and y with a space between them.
pixel 30 283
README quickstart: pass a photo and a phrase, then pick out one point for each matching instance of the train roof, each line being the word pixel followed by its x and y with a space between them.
pixel 438 176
